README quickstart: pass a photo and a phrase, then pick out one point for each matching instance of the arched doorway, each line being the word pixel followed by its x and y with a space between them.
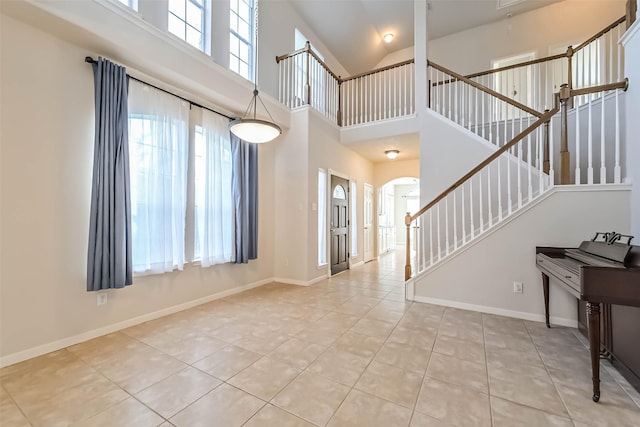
pixel 395 199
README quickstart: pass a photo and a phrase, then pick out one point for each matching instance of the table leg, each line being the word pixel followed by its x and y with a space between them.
pixel 545 291
pixel 593 316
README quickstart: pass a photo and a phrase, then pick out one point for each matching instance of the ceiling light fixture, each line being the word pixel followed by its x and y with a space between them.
pixel 388 37
pixel 391 154
pixel 249 128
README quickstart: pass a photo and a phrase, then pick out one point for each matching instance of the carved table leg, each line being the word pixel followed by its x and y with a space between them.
pixel 545 291
pixel 593 316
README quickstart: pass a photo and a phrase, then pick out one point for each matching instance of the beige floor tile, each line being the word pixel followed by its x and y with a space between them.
pixel 508 414
pixel 128 413
pixel 359 344
pixel 470 332
pixel 421 420
pixel 391 383
pixel 227 362
pixel 225 406
pixel 271 415
pixel 460 349
pixel 615 408
pixel 522 343
pixel 536 391
pixel 413 359
pixel 340 366
pixel 362 409
pixel 312 397
pixel 421 338
pixel 446 401
pixel 265 378
pixel 262 343
pixel 189 348
pixel 298 353
pixel 137 372
pixel 10 414
pixel 74 404
pixel 456 371
pixel 177 391
pixel 373 328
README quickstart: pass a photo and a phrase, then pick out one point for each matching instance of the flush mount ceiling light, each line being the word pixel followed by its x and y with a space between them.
pixel 388 37
pixel 391 154
pixel 249 128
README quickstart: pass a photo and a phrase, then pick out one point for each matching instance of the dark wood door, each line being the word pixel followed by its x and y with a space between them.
pixel 339 224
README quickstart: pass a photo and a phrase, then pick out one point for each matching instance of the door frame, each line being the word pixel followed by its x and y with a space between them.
pixel 330 173
pixel 372 226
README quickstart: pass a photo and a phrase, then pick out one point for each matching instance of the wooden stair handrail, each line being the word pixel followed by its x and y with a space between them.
pixel 541 120
pixel 485 89
pixel 307 49
pixel 569 52
pixel 379 70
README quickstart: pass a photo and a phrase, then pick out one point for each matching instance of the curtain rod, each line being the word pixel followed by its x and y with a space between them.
pixel 90 60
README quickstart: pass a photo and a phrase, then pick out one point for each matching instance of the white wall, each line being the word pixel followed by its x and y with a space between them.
pixel 556 25
pixel 447 153
pixel 481 277
pixel 46 158
pixel 326 151
pixel 386 171
pixel 400 193
pixel 632 71
pixel 540 30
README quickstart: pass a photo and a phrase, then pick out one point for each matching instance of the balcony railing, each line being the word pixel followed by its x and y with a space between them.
pixel 381 94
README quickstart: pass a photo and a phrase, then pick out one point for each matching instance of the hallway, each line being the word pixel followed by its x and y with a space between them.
pixel 349 351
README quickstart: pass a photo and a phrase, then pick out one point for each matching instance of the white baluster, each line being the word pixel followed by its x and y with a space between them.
pixel 590 146
pixel 490 208
pixel 431 236
pixel 480 202
pixel 552 177
pixel 464 220
pixel 603 168
pixel 455 223
pixel 617 171
pixel 438 230
pixel 578 178
pixel 471 214
pixel 446 223
pixel 475 108
pixel 519 168
pixel 529 163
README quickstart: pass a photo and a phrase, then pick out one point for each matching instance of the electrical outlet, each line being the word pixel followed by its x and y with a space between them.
pixel 518 287
pixel 101 298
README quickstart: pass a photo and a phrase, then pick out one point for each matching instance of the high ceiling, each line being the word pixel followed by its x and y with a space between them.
pixel 353 29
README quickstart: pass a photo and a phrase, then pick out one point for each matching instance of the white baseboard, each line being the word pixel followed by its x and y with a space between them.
pixel 20 356
pixel 572 323
pixel 357 264
pixel 299 282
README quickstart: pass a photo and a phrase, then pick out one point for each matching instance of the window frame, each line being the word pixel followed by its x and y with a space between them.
pixel 204 23
pixel 249 43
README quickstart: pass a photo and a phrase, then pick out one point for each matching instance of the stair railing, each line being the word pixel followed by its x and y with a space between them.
pixel 481 110
pixel 504 182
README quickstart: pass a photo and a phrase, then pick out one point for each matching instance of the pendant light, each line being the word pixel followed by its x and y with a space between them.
pixel 249 128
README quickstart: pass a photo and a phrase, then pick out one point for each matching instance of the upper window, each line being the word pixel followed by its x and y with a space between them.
pixel 133 4
pixel 339 193
pixel 241 34
pixel 187 21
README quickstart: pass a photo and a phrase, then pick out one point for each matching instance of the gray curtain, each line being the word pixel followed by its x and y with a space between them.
pixel 109 255
pixel 245 194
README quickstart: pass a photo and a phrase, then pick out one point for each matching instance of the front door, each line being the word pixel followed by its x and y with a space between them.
pixel 368 222
pixel 339 224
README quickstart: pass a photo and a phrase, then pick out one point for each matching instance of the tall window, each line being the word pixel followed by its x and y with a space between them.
pixel 133 4
pixel 241 34
pixel 322 217
pixel 187 21
pixel 214 222
pixel 158 145
pixel 354 223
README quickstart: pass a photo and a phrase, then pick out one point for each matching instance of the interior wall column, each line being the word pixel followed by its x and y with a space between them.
pixel 421 39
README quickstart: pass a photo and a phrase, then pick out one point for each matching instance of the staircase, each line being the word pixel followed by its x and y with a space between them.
pixel 562 127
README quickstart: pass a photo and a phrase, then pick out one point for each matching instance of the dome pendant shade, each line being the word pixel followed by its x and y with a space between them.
pixel 254 130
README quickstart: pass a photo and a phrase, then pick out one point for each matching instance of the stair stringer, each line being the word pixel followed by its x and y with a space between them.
pixel 480 275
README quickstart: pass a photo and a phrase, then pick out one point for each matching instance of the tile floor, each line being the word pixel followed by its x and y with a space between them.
pixel 349 351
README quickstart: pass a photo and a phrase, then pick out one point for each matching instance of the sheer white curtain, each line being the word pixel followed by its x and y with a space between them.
pixel 214 220
pixel 158 147
pixel 322 217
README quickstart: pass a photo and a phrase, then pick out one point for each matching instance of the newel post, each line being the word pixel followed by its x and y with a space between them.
pixel 545 154
pixel 407 261
pixel 307 86
pixel 339 114
pixel 565 156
